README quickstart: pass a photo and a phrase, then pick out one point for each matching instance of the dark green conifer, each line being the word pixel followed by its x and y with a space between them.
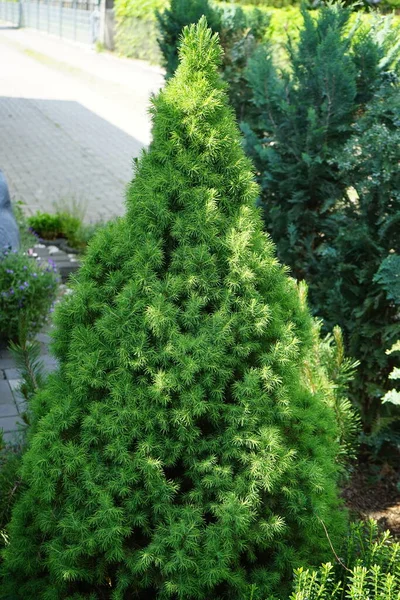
pixel 182 450
pixel 171 22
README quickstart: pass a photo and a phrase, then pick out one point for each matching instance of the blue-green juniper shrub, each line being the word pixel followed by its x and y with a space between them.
pixel 185 447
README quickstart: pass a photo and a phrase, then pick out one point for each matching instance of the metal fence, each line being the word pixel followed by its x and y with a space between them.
pixel 10 13
pixel 71 19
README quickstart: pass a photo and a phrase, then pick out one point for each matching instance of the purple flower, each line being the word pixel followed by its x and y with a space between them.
pixel 33 232
pixel 34 274
pixel 10 271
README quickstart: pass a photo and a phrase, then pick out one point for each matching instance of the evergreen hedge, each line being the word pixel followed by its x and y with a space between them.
pixel 186 447
pixel 324 136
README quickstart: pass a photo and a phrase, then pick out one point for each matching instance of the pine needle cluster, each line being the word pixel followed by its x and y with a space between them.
pixel 180 451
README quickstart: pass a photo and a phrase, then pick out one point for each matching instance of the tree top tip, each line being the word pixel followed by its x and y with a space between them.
pixel 200 48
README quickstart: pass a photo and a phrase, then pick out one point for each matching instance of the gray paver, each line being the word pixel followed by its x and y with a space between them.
pixel 43 338
pixel 12 373
pixel 6 363
pixel 8 410
pixel 12 437
pixel 6 396
pixel 19 400
pixel 12 423
pixel 71 132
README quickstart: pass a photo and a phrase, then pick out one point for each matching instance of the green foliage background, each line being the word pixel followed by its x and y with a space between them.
pixel 324 136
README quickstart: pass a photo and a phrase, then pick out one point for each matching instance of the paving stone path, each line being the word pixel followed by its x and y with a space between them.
pixel 12 404
pixel 71 122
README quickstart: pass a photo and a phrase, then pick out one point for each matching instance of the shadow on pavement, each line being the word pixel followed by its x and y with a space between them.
pixel 56 150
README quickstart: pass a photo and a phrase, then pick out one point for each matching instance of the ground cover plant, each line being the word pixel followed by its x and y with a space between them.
pixel 368 568
pixel 66 226
pixel 186 447
pixel 324 136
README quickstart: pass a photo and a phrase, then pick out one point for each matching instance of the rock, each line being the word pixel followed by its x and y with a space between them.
pixel 9 233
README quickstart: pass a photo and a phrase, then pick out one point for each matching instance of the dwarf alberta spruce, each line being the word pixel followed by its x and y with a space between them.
pixel 179 451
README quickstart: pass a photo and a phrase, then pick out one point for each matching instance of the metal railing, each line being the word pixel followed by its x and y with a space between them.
pixel 71 19
pixel 10 13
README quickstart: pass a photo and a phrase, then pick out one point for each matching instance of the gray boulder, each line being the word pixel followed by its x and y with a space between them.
pixel 9 233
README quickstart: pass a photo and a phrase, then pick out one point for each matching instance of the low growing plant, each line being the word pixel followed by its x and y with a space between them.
pixel 46 225
pixel 27 291
pixel 63 224
pixel 367 570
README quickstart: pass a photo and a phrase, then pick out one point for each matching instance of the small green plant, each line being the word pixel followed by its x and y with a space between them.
pixel 367 570
pixel 340 371
pixel 59 225
pixel 27 292
pixel 27 355
pixel 65 224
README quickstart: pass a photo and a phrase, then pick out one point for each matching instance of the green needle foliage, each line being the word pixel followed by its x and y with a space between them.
pixel 371 570
pixel 180 451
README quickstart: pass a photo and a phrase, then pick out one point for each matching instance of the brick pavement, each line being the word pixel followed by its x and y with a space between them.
pixel 12 405
pixel 71 121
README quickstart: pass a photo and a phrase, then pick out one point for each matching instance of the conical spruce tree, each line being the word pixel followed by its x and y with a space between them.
pixel 180 451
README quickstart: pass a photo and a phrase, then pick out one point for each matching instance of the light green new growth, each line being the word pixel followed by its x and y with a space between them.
pixel 180 451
